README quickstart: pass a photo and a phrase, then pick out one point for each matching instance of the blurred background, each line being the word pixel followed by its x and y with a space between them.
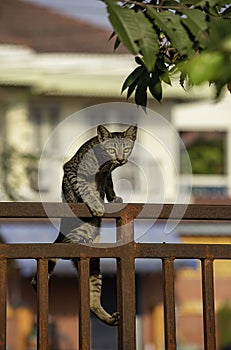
pixel 56 59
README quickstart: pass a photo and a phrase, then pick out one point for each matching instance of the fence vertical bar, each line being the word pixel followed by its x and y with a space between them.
pixel 126 285
pixel 169 304
pixel 42 304
pixel 208 304
pixel 126 304
pixel 125 228
pixel 3 288
pixel 84 304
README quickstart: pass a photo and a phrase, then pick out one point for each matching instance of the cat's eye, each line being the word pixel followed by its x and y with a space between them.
pixel 127 150
pixel 111 150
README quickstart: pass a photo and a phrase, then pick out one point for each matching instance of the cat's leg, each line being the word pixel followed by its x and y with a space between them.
pixel 90 196
pixel 66 226
pixel 95 285
pixel 95 301
pixel 110 193
pixel 76 182
pixel 51 262
pixel 82 234
pixel 85 233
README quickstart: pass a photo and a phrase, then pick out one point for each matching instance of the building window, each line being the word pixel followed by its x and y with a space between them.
pixel 44 119
pixel 206 150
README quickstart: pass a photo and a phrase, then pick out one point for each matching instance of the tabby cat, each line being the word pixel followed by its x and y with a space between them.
pixel 87 179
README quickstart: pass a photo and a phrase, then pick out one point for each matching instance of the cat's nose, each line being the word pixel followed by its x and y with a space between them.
pixel 121 161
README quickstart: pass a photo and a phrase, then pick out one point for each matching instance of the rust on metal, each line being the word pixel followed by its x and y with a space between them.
pixel 125 250
pixel 169 304
pixel 208 304
pixel 84 304
pixel 3 289
pixel 135 250
pixel 126 284
pixel 140 211
pixel 42 304
pixel 125 228
pixel 126 304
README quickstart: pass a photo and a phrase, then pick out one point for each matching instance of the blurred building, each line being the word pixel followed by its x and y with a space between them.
pixel 53 71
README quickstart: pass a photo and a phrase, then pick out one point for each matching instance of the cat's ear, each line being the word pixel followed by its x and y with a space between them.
pixel 103 133
pixel 131 132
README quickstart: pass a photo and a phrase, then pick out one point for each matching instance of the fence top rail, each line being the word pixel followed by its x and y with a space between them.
pixel 133 210
pixel 126 251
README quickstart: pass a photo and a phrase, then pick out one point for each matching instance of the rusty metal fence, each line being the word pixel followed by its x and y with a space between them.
pixel 125 251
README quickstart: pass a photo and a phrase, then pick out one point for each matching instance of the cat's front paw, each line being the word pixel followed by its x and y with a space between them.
pixel 34 283
pixel 114 319
pixel 97 209
pixel 117 200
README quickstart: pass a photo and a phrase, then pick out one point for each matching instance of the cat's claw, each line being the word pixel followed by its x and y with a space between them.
pixel 88 241
pixel 98 210
pixel 114 319
pixel 34 284
pixel 117 200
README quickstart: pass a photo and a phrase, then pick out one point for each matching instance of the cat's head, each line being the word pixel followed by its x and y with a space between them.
pixel 118 145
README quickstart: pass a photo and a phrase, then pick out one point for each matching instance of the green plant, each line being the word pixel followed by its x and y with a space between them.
pixel 224 325
pixel 191 38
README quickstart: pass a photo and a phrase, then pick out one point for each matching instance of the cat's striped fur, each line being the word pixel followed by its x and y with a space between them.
pixel 87 179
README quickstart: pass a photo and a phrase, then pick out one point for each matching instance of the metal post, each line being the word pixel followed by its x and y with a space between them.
pixel 208 304
pixel 126 294
pixel 42 305
pixel 3 288
pixel 169 304
pixel 126 299
pixel 84 304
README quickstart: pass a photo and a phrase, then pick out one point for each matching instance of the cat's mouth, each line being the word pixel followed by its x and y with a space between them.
pixel 121 161
pixel 114 163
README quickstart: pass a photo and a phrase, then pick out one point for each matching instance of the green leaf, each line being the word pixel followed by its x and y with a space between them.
pixel 170 3
pixel 227 13
pixel 182 79
pixel 219 33
pixel 131 89
pixel 141 95
pixel 155 86
pixel 165 77
pixel 135 31
pixel 148 40
pixel 193 2
pixel 117 43
pixel 212 2
pixel 213 11
pixel 195 22
pixel 162 71
pixel 133 77
pixel 122 20
pixel 204 67
pixel 223 3
pixel 112 35
pixel 156 91
pixel 139 61
pixel 201 3
pixel 141 89
pixel 160 64
pixel 170 24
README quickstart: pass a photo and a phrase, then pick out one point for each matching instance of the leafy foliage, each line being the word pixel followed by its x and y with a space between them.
pixel 207 157
pixel 19 169
pixel 169 36
pixel 224 324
